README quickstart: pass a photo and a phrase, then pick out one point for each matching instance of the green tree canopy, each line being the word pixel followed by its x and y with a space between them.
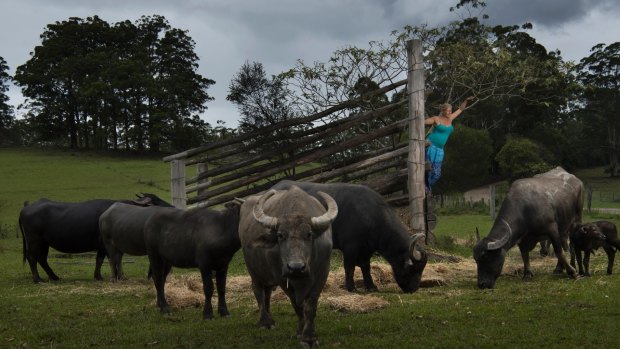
pixel 600 75
pixel 521 158
pixel 90 84
pixel 6 110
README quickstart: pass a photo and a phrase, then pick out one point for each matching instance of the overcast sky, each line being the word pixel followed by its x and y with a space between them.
pixel 278 32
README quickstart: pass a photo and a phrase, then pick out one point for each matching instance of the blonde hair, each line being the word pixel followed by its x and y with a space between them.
pixel 444 107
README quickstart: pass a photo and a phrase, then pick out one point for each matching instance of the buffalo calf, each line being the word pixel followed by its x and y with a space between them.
pixel 122 230
pixel 589 237
pixel 202 238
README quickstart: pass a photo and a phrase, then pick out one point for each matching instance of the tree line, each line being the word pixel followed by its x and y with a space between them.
pixel 95 85
pixel 134 86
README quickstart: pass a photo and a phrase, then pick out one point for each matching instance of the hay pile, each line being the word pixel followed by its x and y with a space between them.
pixel 185 291
pixel 355 303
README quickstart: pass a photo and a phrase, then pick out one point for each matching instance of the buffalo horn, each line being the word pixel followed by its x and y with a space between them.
pixel 497 244
pixel 477 235
pixel 414 254
pixel 322 222
pixel 143 200
pixel 260 216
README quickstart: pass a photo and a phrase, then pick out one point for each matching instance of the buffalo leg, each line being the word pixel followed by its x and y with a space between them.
pixel 115 259
pixel 263 298
pixel 43 261
pixel 159 279
pixel 544 248
pixel 101 253
pixel 299 310
pixel 586 262
pixel 220 279
pixel 579 259
pixel 31 254
pixel 571 248
pixel 349 270
pixel 611 255
pixel 368 282
pixel 207 286
pixel 557 244
pixel 308 335
pixel 525 255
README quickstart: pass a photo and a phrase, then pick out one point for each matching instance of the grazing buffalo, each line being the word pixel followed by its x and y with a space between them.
pixel 367 224
pixel 66 227
pixel 547 205
pixel 202 238
pixel 589 237
pixel 286 241
pixel 122 230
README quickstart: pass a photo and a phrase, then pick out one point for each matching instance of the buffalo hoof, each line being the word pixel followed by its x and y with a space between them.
pixel 267 325
pixel 372 288
pixel 309 343
pixel 609 272
pixel 527 274
pixel 224 313
pixel 165 310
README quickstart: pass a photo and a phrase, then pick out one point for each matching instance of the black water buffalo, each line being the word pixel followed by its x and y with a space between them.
pixel 589 237
pixel 66 227
pixel 202 238
pixel 367 224
pixel 547 205
pixel 286 241
pixel 122 230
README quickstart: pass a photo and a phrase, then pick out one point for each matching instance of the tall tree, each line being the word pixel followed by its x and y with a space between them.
pixel 600 74
pixel 262 101
pixel 6 110
pixel 130 84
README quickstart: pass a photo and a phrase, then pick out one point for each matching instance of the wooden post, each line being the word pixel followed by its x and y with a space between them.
pixel 200 169
pixel 177 183
pixel 492 201
pixel 415 160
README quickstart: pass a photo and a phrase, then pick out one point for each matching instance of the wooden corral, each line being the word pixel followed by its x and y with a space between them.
pixel 317 148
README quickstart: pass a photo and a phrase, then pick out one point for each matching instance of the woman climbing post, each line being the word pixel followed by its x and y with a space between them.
pixel 437 138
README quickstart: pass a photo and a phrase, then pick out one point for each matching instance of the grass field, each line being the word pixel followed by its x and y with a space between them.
pixel 548 311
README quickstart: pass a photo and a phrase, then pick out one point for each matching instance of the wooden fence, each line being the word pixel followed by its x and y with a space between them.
pixel 232 168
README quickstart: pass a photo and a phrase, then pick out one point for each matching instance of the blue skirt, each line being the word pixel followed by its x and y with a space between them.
pixel 434 155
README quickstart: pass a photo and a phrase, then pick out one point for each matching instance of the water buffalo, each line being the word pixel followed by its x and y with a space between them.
pixel 589 237
pixel 366 224
pixel 547 205
pixel 202 238
pixel 286 241
pixel 66 227
pixel 122 230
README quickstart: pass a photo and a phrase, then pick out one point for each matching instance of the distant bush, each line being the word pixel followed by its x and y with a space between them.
pixel 521 158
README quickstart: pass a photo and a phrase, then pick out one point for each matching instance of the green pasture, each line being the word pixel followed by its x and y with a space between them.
pixel 549 311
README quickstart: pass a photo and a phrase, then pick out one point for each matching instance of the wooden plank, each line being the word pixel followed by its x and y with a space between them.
pixel 304 159
pixel 291 122
pixel 298 144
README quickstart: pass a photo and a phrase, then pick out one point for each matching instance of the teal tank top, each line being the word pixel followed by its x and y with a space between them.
pixel 440 135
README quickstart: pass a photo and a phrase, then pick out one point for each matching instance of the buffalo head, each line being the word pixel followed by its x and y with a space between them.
pixel 408 277
pixel 294 233
pixel 590 235
pixel 490 255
